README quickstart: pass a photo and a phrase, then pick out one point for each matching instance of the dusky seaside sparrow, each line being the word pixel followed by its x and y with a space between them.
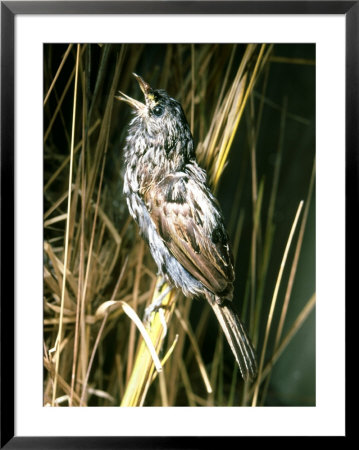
pixel 178 216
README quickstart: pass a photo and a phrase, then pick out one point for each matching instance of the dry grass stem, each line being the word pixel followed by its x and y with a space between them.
pixel 59 336
pixel 274 300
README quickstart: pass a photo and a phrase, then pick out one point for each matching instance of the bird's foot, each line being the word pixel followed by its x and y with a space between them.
pixel 156 306
pixel 161 281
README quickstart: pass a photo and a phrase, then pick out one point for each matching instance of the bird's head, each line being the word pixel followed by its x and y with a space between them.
pixel 160 118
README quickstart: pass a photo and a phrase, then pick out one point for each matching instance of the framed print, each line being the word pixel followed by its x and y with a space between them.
pixel 175 182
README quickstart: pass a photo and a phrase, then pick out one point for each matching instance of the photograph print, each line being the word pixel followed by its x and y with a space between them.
pixel 179 224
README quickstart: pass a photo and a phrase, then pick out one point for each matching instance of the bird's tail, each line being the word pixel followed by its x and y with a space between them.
pixel 236 336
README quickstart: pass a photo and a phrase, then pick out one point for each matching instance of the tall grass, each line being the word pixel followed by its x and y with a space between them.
pixel 98 274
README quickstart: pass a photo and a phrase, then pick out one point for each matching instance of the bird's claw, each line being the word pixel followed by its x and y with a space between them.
pixel 156 306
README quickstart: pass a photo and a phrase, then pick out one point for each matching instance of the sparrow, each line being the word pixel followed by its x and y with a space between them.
pixel 177 214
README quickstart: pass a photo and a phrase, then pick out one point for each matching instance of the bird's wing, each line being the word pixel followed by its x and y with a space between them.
pixel 189 221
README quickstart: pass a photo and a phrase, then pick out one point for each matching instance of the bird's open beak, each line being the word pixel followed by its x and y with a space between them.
pixel 145 88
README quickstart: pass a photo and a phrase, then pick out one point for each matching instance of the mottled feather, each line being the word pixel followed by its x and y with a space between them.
pixel 178 216
pixel 182 228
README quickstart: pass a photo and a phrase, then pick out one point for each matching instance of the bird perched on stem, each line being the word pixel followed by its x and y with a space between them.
pixel 178 216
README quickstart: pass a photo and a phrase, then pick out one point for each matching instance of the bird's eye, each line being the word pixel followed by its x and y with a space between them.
pixel 158 111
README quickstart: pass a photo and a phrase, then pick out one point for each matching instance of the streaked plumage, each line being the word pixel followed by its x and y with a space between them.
pixel 178 216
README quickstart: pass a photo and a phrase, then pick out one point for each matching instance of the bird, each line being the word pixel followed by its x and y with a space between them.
pixel 177 214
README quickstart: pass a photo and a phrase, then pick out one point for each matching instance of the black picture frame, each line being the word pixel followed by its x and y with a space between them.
pixel 9 9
